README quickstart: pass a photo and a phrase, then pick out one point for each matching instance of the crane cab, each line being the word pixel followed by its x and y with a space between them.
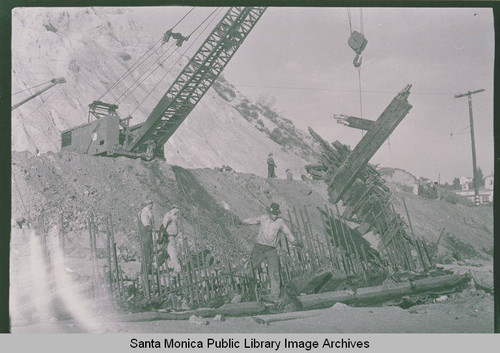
pixel 107 135
pixel 97 138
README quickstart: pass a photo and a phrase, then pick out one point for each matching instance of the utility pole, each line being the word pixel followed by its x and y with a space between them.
pixel 474 165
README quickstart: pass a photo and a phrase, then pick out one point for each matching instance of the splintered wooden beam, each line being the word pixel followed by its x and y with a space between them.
pixel 355 122
pixel 369 144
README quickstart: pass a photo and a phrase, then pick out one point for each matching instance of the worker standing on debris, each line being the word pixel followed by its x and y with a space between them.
pixel 145 222
pixel 271 166
pixel 271 226
pixel 168 238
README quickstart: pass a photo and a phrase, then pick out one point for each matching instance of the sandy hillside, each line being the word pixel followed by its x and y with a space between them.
pixel 92 48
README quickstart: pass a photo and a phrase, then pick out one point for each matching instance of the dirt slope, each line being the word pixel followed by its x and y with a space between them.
pixel 76 184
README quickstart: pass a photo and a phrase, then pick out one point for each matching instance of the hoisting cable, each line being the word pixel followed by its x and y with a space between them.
pixel 29 88
pixel 359 75
pixel 43 102
pixel 180 57
pixel 139 62
pixel 124 95
pixel 349 18
pixel 357 42
pixel 361 20
pixel 129 89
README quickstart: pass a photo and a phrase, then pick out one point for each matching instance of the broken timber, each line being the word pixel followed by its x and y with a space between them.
pixel 361 297
pixel 354 122
pixel 363 191
pixel 370 143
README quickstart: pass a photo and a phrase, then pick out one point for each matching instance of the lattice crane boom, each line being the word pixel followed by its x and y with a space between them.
pixel 195 79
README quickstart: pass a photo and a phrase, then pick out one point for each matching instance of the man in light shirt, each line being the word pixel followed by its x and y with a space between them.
pixel 168 237
pixel 271 228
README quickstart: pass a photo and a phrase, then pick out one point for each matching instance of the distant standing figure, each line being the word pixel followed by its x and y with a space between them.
pixel 145 223
pixel 271 225
pixel 289 175
pixel 169 231
pixel 270 166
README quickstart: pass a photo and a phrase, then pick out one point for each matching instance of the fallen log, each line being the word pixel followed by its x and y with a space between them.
pixel 361 297
pixel 379 294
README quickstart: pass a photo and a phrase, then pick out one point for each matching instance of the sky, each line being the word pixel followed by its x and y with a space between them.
pixel 301 57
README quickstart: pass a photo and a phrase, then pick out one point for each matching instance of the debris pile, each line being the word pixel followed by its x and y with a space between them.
pixel 368 202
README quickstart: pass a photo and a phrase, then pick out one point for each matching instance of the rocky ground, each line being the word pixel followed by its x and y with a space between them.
pixel 71 186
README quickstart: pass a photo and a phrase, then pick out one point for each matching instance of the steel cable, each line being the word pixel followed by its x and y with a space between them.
pixel 180 57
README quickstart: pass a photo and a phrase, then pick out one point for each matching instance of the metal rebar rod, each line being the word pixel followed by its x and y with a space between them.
pixel 108 252
pixel 184 275
pixel 119 275
pixel 196 271
pixel 89 225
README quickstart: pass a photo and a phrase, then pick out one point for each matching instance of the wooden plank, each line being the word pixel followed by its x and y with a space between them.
pixel 379 294
pixel 355 122
pixel 369 144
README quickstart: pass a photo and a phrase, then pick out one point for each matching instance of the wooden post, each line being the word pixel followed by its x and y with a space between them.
pixel 305 259
pixel 343 259
pixel 312 250
pixel 427 254
pixel 347 247
pixel 307 242
pixel 296 233
pixel 314 237
pixel 347 173
pixel 328 241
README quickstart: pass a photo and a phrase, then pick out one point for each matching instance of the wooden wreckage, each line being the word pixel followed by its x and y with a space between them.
pixel 340 264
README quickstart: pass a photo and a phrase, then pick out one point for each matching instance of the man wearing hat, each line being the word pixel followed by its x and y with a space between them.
pixel 270 166
pixel 145 222
pixel 271 227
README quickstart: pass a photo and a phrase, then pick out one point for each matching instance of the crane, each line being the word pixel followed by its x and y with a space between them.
pixel 109 135
pixel 53 82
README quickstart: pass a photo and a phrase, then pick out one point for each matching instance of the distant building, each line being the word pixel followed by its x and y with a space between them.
pixel 485 193
pixel 488 182
pixel 466 183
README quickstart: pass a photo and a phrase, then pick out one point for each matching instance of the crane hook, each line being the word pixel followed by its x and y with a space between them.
pixel 357 60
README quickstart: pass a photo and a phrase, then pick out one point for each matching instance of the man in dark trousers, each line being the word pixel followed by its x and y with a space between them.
pixel 270 166
pixel 271 228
